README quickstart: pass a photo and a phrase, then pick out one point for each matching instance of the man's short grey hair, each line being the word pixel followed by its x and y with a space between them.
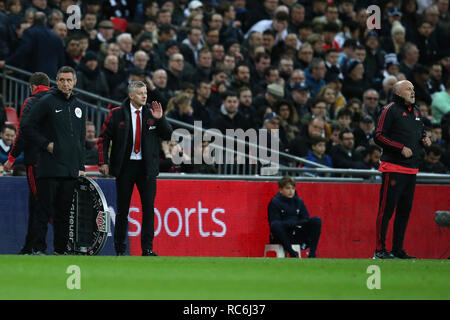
pixel 124 36
pixel 369 90
pixel 134 85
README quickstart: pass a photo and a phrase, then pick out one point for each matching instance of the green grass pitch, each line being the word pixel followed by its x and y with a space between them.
pixel 198 278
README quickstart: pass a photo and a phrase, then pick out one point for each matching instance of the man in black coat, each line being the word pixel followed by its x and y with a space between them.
pixel 40 49
pixel 39 86
pixel 134 159
pixel 57 126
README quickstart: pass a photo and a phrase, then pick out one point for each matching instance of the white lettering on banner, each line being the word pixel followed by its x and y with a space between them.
pixel 200 227
pixel 162 222
pixel 219 222
pixel 187 213
pixel 180 222
pixel 112 214
pixel 135 222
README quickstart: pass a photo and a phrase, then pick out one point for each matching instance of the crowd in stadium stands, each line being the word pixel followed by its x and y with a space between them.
pixel 311 68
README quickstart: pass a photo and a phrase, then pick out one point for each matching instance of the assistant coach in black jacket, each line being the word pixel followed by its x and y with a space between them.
pixel 39 86
pixel 400 132
pixel 57 126
pixel 135 130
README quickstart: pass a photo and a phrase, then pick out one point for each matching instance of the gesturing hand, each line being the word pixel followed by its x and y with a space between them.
pixel 407 152
pixel 156 110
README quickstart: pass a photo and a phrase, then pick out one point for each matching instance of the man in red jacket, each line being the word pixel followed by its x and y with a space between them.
pixel 400 132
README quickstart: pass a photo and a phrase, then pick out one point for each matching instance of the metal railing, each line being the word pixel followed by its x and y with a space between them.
pixel 15 89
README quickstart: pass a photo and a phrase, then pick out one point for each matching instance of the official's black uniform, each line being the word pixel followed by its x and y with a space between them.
pixel 284 215
pixel 61 121
pixel 399 125
pixel 30 152
pixel 117 129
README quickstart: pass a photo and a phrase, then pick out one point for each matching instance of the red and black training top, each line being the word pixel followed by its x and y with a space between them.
pixel 400 125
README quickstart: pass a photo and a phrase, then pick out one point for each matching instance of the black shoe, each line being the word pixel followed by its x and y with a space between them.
pixel 400 254
pixel 120 253
pixel 25 252
pixel 382 254
pixel 149 253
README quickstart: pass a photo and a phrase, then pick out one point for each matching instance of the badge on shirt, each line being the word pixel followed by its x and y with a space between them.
pixel 78 112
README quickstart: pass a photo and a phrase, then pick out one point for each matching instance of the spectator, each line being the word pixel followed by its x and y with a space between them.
pixel 436 136
pixel 372 156
pixel 300 98
pixel 40 49
pixel 60 29
pixel 374 62
pixel 278 24
pixel 410 55
pixel 159 79
pixel 241 77
pixel 204 65
pixel 302 144
pixel 202 104
pixel 91 78
pixel 247 108
pixel 273 93
pixel 344 155
pixel 175 74
pixel 192 45
pixel 91 144
pixel 73 52
pixel 105 34
pixel 435 83
pixel 114 77
pixel 391 65
pixel 285 68
pixel 331 16
pixel 364 133
pixel 260 12
pixel 229 117
pixel 288 216
pixel 180 109
pixel 328 94
pixel 397 41
pixel 420 82
pixel 317 154
pixel 344 118
pixel 354 84
pixel 289 122
pixel 370 104
pixel 315 75
pixel 332 65
pixel 386 93
pixel 7 136
pixel 441 103
pixel 431 161
pixel 166 163
pixel 426 43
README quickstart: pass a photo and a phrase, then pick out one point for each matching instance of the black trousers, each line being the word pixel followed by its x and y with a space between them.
pixel 54 197
pixel 133 172
pixel 32 206
pixel 309 234
pixel 396 194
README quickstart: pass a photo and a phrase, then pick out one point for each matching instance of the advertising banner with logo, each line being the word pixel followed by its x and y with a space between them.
pixel 229 218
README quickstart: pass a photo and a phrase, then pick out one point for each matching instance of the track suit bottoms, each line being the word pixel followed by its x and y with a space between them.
pixel 397 193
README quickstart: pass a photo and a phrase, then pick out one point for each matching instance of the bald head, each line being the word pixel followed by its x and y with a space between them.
pixel 405 89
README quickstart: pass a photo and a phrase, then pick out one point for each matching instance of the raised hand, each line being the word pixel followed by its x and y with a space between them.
pixel 156 110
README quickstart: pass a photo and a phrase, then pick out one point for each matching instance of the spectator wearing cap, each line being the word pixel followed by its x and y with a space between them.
pixel 193 7
pixel 105 34
pixel 374 62
pixel 315 75
pixel 364 132
pixel 278 24
pixel 394 14
pixel 354 84
pixel 91 78
pixel 391 65
pixel 426 42
pixel 301 98
pixel 271 123
pixel 273 93
pixel 229 116
pixel 397 40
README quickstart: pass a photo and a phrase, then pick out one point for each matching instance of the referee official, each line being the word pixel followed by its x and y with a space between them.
pixel 400 132
pixel 57 126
